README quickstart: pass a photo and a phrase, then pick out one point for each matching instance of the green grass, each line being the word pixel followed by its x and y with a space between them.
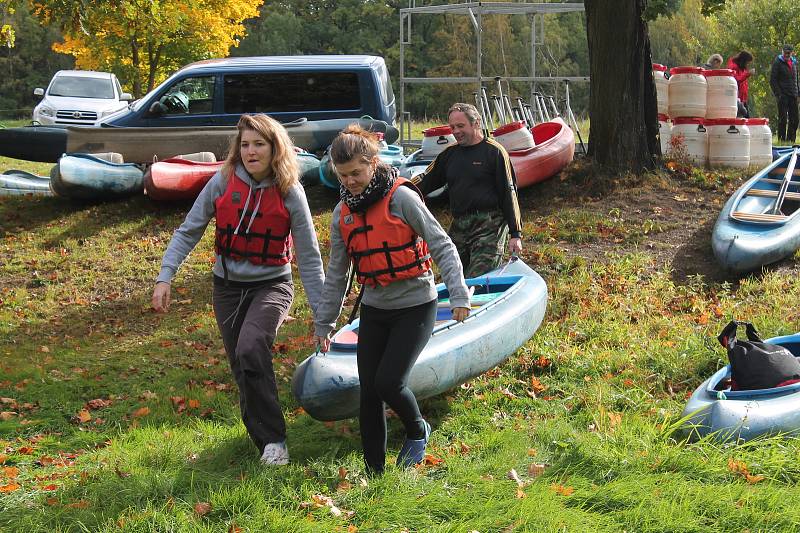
pixel 118 419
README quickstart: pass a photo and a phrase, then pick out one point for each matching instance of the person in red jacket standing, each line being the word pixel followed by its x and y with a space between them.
pixel 740 64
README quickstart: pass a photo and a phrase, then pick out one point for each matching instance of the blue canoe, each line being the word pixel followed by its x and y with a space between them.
pixel 760 223
pixel 86 177
pixel 508 307
pixel 414 165
pixel 391 154
pixel 19 182
pixel 731 415
pixel 309 167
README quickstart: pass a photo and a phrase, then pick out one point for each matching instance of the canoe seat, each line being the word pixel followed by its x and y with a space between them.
pixel 773 194
pixel 758 217
pixel 792 183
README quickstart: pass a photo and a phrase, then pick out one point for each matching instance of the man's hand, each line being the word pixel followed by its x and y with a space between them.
pixel 160 300
pixel 460 313
pixel 324 343
pixel 515 246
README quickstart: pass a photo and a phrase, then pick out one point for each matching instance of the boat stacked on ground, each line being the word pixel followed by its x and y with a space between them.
pixel 389 153
pixel 20 182
pixel 88 177
pixel 760 223
pixel 508 306
pixel 554 150
pixel 179 178
pixel 714 409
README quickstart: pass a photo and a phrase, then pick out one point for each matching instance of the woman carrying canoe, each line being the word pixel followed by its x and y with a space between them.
pixel 382 226
pixel 261 214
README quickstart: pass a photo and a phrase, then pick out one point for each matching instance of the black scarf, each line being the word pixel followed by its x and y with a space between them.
pixel 379 186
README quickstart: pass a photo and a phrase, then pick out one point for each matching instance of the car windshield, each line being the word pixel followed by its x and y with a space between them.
pixel 82 87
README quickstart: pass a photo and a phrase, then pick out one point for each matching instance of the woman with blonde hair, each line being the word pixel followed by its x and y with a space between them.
pixel 262 215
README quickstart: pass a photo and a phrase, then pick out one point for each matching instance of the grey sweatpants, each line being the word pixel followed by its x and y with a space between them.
pixel 248 319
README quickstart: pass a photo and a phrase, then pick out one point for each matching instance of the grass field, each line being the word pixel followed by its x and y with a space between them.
pixel 114 418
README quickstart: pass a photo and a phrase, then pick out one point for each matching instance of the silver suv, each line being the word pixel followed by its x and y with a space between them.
pixel 79 98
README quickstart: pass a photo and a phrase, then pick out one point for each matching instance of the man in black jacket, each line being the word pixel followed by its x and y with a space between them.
pixel 783 81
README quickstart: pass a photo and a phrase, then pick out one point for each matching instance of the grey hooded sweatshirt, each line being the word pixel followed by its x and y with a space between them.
pixel 406 205
pixel 304 236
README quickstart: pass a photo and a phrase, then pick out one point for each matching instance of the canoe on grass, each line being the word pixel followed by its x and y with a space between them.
pixel 391 154
pixel 19 182
pixel 513 305
pixel 744 414
pixel 178 178
pixel 554 150
pixel 87 177
pixel 140 145
pixel 760 223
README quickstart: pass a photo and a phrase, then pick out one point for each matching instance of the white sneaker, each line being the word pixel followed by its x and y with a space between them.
pixel 275 453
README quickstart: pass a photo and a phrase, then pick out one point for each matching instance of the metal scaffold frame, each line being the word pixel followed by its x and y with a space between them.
pixel 475 11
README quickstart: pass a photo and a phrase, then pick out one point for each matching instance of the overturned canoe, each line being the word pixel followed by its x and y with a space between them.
pixel 760 223
pixel 140 145
pixel 178 178
pixel 34 143
pixel 86 177
pixel 20 182
pixel 554 150
pixel 391 154
pixel 309 168
pixel 508 307
pixel 715 409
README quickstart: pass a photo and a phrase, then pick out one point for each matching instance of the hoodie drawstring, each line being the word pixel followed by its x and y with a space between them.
pixel 238 306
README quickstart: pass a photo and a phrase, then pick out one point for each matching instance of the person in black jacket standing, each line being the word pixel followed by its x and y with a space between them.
pixel 783 81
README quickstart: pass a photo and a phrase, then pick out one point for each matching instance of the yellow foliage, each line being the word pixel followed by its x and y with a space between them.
pixel 144 41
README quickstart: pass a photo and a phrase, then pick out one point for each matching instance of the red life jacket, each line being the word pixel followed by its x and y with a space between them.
pixel 267 241
pixel 382 247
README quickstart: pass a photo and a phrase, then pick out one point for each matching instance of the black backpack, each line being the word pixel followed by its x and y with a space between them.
pixel 756 364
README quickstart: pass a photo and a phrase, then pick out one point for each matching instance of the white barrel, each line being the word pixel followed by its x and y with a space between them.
pixel 690 134
pixel 436 139
pixel 514 136
pixel 687 92
pixel 760 142
pixel 728 142
pixel 664 133
pixel 723 92
pixel 662 88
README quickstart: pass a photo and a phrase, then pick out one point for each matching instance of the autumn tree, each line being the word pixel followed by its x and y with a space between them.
pixel 143 41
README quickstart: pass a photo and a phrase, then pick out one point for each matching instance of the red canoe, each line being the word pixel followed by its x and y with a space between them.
pixel 178 179
pixel 555 148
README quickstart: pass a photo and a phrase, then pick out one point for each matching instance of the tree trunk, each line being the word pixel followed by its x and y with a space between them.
pixel 622 105
pixel 137 78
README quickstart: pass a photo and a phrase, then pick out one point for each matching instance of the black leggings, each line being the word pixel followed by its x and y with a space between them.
pixel 389 342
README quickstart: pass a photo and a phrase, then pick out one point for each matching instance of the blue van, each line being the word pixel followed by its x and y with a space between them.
pixel 216 92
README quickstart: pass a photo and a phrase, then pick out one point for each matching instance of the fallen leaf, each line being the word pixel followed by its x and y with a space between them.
pixel 3 458
pixel 7 415
pixel 11 487
pixel 536 469
pixel 561 489
pixel 83 416
pixel 49 487
pixel 142 411
pixel 342 472
pixel 753 479
pixel 10 472
pixel 202 508
pixel 521 494
pixel 194 404
pixel 80 504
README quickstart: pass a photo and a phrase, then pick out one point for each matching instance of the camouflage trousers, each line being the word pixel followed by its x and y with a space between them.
pixel 480 239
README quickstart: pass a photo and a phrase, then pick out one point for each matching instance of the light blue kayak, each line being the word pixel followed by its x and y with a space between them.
pixel 391 154
pixel 86 177
pixel 760 223
pixel 508 306
pixel 309 168
pixel 731 415
pixel 20 182
pixel 414 165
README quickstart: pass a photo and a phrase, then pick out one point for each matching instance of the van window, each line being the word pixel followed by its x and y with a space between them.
pixel 291 91
pixel 192 96
pixel 386 85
